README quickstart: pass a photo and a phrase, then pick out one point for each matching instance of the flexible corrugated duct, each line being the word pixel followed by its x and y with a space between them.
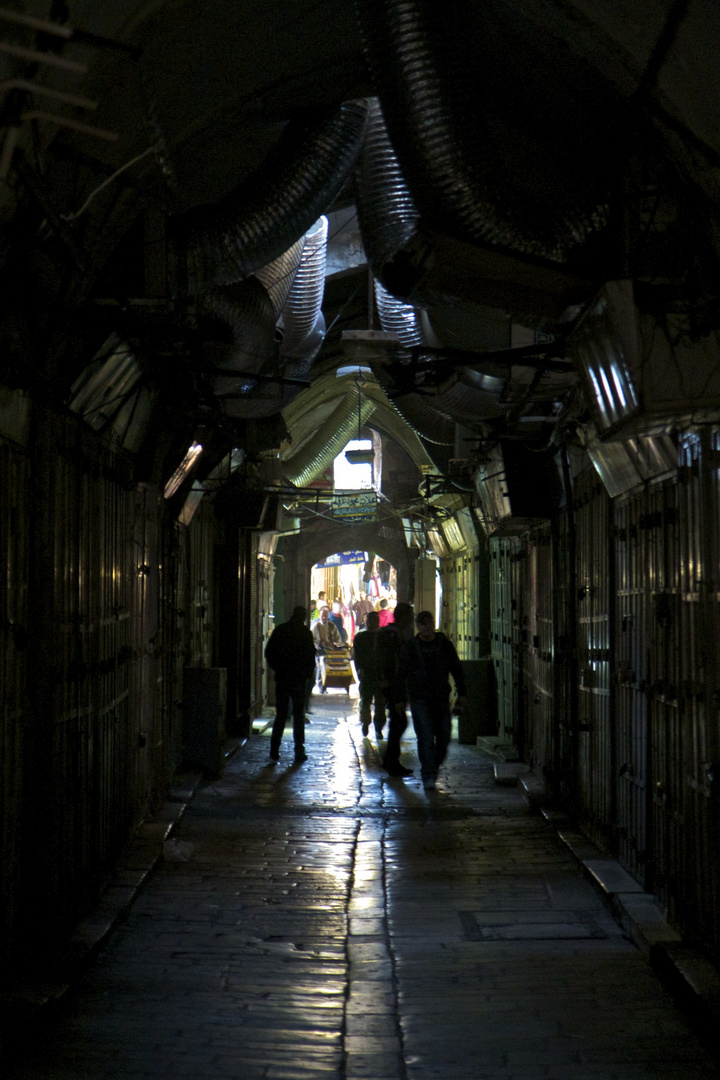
pixel 452 154
pixel 329 440
pixel 386 211
pixel 302 319
pixel 399 318
pixel 278 276
pixel 244 320
pixel 431 425
pixel 266 214
pixel 467 405
pixel 432 413
pixel 302 311
pixel 404 322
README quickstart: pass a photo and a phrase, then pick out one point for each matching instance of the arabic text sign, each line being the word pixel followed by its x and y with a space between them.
pixel 360 506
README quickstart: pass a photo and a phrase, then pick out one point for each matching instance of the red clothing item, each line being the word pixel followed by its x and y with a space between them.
pixel 385 615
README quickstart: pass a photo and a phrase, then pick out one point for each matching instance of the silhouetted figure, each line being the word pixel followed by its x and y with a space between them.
pixel 426 662
pixel 368 669
pixel 390 641
pixel 290 652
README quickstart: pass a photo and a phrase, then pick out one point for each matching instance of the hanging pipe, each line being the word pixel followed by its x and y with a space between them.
pixel 295 283
pixel 450 156
pixel 302 319
pixel 387 214
pixel 315 455
pixel 245 342
pixel 398 318
pixel 278 276
pixel 268 212
pixel 435 412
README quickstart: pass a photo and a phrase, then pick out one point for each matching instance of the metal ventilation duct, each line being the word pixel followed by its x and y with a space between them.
pixel 315 455
pixel 261 219
pixel 278 276
pixel 387 214
pixel 399 318
pixel 302 319
pixel 457 163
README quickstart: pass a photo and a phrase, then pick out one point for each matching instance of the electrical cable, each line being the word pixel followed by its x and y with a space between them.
pixel 104 184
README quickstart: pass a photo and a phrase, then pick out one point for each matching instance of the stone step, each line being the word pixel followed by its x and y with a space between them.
pixel 508 772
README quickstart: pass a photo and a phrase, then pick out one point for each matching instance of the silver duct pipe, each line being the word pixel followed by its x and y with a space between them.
pixel 323 447
pixel 278 276
pixel 262 218
pixel 425 420
pixel 404 322
pixel 302 319
pixel 432 414
pixel 454 161
pixel 244 308
pixel 398 318
pixel 466 405
pixel 387 213
pixel 244 312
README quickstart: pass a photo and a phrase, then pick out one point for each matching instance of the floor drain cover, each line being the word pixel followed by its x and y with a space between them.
pixel 529 925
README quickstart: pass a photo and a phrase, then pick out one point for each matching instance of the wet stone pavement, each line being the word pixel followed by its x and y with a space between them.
pixel 334 922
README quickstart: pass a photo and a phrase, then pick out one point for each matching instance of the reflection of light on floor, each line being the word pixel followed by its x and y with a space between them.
pixel 344 761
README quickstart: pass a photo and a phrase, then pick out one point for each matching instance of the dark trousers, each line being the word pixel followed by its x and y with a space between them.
pixel 433 726
pixel 398 724
pixel 369 690
pixel 287 693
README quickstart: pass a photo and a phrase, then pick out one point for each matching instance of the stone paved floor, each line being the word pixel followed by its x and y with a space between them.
pixel 334 923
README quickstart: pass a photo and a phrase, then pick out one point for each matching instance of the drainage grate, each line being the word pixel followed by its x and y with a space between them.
pixel 529 925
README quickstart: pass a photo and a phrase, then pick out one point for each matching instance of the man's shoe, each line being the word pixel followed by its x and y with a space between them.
pixel 378 733
pixel 299 758
pixel 396 769
pixel 274 756
pixel 429 785
pixel 365 730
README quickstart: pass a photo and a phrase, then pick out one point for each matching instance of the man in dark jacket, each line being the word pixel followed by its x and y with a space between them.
pixel 426 663
pixel 389 644
pixel 366 664
pixel 290 652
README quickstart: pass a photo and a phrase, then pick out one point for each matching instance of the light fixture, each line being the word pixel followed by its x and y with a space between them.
pixel 182 470
pixel 360 457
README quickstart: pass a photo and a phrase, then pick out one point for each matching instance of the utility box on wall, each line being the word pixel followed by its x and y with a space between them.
pixel 479 717
pixel 204 703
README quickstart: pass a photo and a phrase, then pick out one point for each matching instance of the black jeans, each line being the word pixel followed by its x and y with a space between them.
pixel 370 689
pixel 398 724
pixel 286 693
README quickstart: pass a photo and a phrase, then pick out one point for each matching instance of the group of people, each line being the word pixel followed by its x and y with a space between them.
pixel 353 617
pixel 395 668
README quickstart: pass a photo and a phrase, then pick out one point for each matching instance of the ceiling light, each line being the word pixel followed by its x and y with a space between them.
pixel 360 457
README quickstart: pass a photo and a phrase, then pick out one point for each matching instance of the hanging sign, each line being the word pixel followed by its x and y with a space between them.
pixel 360 506
pixel 343 558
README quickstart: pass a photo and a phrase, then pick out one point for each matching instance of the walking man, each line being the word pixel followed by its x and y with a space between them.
pixel 325 637
pixel 290 652
pixel 426 662
pixel 367 665
pixel 389 644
